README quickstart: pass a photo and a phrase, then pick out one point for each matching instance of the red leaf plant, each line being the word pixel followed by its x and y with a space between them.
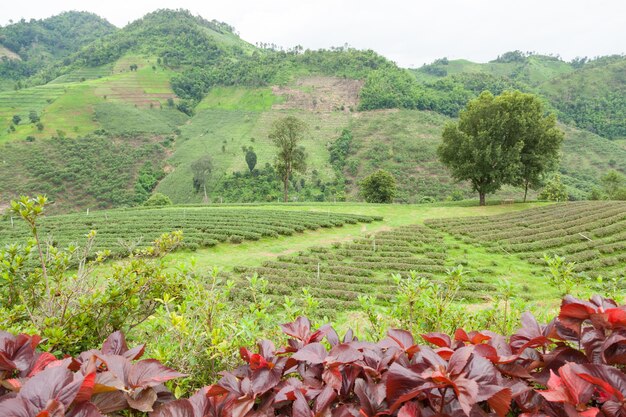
pixel 96 383
pixel 573 366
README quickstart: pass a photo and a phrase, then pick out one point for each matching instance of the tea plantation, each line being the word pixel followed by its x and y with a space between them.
pixel 121 231
pixel 592 234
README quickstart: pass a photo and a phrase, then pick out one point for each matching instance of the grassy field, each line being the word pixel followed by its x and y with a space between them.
pixel 223 133
pixel 339 264
pixel 239 98
pixel 254 253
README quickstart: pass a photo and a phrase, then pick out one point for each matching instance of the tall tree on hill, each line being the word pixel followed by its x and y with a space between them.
pixel 202 169
pixel 286 134
pixel 501 140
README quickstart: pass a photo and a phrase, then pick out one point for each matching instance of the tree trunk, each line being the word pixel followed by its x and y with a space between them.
pixel 481 195
pixel 286 189
pixel 206 197
pixel 525 190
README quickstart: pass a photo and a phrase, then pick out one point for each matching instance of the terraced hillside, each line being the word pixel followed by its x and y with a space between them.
pixel 195 87
pixel 591 234
pixel 122 230
pixel 110 98
pixel 337 276
pixel 403 142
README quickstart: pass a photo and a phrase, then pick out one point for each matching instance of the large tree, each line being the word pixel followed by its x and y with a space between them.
pixel 202 169
pixel 286 134
pixel 541 139
pixel 500 140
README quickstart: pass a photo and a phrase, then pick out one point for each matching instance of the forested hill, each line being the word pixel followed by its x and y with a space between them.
pixel 150 98
pixel 589 93
pixel 28 46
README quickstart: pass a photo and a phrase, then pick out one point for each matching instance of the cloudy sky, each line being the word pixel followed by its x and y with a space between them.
pixel 409 32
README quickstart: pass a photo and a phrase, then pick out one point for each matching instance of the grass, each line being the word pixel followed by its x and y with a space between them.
pixel 529 279
pixel 158 121
pixel 72 112
pixel 222 134
pixel 254 253
pixel 239 98
pixel 485 269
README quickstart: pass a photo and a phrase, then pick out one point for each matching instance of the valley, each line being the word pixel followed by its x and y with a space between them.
pixel 394 241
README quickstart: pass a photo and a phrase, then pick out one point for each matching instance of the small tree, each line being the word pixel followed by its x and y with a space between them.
pixel 17 119
pixel 554 190
pixel 33 116
pixel 379 187
pixel 286 134
pixel 614 185
pixel 158 199
pixel 202 169
pixel 250 158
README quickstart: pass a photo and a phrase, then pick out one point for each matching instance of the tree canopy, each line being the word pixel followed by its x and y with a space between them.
pixel 379 187
pixel 500 140
pixel 286 134
pixel 202 169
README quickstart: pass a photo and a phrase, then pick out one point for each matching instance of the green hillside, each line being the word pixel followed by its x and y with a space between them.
pixel 401 141
pixel 187 87
pixel 586 93
pixel 29 46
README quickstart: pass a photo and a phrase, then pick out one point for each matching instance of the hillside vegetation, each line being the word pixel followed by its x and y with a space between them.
pixel 26 47
pixel 196 88
pixel 587 93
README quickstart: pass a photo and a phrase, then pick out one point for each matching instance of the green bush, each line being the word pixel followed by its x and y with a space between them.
pixel 158 199
pixel 379 187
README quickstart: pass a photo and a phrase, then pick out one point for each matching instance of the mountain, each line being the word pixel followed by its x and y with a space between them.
pixel 127 114
pixel 26 47
pixel 590 94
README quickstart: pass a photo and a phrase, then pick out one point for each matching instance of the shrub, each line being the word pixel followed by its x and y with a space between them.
pixel 379 187
pixel 158 199
pixel 554 190
pixel 235 239
pixel 570 367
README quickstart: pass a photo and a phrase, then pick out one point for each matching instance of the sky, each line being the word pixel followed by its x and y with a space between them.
pixel 410 33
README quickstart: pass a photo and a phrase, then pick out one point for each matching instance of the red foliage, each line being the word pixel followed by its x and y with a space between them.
pixel 573 366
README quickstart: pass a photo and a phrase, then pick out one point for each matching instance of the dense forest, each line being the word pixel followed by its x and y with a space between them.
pixel 38 43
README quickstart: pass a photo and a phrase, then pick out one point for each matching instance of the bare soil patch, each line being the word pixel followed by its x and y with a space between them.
pixel 4 52
pixel 321 94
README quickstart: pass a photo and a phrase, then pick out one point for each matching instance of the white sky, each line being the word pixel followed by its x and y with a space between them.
pixel 409 32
